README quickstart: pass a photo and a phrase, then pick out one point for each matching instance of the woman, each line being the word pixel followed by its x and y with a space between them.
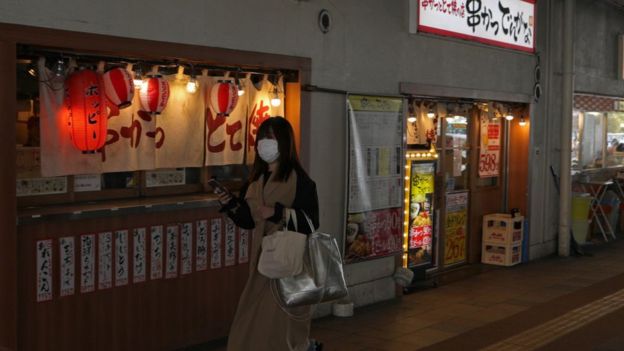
pixel 277 183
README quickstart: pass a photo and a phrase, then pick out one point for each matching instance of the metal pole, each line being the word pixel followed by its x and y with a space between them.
pixel 566 128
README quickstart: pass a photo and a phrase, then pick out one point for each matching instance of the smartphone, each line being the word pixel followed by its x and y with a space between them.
pixel 217 187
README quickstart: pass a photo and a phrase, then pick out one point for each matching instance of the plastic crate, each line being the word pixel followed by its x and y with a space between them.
pixel 501 255
pixel 500 228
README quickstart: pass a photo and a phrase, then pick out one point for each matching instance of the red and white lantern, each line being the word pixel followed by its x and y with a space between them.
pixel 223 97
pixel 119 87
pixel 86 108
pixel 154 94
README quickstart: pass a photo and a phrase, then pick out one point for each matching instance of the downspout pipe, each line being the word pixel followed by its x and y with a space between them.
pixel 565 185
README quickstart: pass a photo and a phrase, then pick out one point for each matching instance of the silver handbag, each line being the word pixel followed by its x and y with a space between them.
pixel 322 279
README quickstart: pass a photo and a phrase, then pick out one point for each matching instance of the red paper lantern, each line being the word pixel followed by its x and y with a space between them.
pixel 119 87
pixel 86 108
pixel 154 94
pixel 223 97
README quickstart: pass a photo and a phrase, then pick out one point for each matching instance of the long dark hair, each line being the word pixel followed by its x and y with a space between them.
pixel 288 159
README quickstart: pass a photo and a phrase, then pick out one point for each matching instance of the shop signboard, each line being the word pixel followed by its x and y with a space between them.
pixel 490 140
pixel 505 23
pixel 374 199
pixel 420 236
pixel 455 225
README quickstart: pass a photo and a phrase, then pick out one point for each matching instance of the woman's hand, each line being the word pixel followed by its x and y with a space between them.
pixel 267 212
pixel 225 198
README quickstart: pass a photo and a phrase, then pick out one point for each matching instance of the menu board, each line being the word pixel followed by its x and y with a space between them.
pixel 420 237
pixel 374 202
pixel 456 225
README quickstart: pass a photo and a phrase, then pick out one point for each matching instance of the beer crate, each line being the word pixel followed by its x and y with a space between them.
pixel 502 229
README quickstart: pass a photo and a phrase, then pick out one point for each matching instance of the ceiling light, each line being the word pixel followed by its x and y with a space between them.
pixel 276 101
pixel 522 122
pixel 138 78
pixel 431 114
pixel 509 117
pixel 411 119
pixel 192 85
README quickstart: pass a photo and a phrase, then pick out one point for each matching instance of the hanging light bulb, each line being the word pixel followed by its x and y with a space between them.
pixel 239 84
pixel 509 117
pixel 240 87
pixel 192 85
pixel 431 114
pixel 59 68
pixel 138 78
pixel 522 122
pixel 411 119
pixel 276 101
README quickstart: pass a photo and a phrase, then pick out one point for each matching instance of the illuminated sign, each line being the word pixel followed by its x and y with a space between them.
pixel 506 23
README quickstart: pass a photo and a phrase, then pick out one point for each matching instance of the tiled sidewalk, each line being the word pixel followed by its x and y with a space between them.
pixel 429 316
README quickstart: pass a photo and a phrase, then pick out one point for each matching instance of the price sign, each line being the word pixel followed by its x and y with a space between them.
pixel 489 154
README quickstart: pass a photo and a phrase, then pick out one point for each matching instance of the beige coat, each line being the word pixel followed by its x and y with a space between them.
pixel 260 324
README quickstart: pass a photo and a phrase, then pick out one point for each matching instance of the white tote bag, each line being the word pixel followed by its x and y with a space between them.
pixel 282 252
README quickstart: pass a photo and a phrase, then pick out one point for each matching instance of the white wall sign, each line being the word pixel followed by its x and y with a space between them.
pixel 139 264
pixel 215 243
pixel 121 257
pixel 187 248
pixel 230 243
pixel 506 23
pixel 44 270
pixel 156 257
pixel 172 252
pixel 201 254
pixel 105 260
pixel 87 263
pixel 243 246
pixel 67 256
pixel 87 182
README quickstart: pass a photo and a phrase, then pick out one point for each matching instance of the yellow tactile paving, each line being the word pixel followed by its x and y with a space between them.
pixel 545 333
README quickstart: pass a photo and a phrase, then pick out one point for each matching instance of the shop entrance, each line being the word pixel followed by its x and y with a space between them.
pixel 478 154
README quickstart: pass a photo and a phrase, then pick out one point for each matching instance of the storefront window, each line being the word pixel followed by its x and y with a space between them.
pixel 615 137
pixel 456 152
pixel 597 132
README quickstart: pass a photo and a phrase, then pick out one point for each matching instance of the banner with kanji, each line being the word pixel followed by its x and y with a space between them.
pixel 187 133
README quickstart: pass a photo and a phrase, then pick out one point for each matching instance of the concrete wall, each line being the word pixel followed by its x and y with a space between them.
pixel 368 50
pixel 597 27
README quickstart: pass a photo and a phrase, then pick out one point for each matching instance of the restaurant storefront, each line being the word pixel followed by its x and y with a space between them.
pixel 115 225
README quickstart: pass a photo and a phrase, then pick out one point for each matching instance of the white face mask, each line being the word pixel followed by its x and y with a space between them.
pixel 267 150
